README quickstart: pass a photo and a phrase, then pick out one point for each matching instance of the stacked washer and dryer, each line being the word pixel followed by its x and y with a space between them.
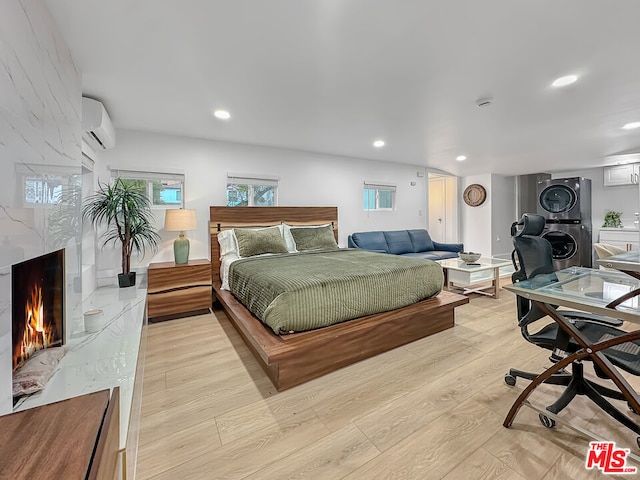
pixel 566 204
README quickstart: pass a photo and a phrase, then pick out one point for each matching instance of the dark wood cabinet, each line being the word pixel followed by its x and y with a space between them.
pixel 178 289
pixel 73 439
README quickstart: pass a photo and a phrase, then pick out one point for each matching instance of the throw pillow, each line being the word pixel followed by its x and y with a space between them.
pixel 258 242
pixel 314 238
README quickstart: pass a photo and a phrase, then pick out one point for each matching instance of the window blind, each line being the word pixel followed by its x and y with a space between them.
pixel 379 186
pixel 139 175
pixel 244 179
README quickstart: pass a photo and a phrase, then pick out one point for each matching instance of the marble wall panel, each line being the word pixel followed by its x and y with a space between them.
pixel 40 137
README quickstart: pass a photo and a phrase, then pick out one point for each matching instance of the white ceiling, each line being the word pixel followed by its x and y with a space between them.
pixel 332 76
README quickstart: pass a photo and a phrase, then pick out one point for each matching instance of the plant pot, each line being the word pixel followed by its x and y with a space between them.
pixel 126 279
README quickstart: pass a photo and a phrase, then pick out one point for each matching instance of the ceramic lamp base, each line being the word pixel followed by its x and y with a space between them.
pixel 181 250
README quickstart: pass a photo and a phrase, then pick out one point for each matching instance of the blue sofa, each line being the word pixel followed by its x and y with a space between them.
pixel 412 243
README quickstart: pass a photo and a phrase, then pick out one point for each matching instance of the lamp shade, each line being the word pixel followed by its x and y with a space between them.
pixel 179 220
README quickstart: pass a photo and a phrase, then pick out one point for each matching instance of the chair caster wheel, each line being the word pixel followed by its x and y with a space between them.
pixel 638 441
pixel 510 380
pixel 546 421
pixel 632 409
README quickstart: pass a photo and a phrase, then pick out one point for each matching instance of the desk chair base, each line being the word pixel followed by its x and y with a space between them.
pixel 564 379
pixel 577 384
pixel 561 378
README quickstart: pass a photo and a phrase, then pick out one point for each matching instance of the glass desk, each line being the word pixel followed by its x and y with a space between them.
pixel 629 263
pixel 591 291
pixel 584 289
pixel 625 262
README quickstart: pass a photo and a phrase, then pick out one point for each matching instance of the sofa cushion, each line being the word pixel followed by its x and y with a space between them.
pixel 442 254
pixel 432 255
pixel 421 240
pixel 425 255
pixel 398 242
pixel 370 241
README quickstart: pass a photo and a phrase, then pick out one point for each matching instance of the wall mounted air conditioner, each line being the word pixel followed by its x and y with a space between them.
pixel 97 128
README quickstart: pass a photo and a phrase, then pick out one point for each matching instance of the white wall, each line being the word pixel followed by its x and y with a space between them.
pixel 305 179
pixel 485 228
pixel 476 221
pixel 40 108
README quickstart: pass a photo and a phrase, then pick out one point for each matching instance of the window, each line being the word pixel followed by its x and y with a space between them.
pixel 379 197
pixel 165 190
pixel 250 191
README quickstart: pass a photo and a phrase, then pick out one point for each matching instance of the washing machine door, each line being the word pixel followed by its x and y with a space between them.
pixel 563 245
pixel 557 199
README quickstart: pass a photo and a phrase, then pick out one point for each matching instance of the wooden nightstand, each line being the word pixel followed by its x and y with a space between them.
pixel 178 289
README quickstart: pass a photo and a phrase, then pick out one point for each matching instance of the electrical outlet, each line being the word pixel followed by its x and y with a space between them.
pixel 419 213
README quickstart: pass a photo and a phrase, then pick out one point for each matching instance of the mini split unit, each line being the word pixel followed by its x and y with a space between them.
pixel 97 128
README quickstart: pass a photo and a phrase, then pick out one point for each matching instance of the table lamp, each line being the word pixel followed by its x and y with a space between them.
pixel 180 220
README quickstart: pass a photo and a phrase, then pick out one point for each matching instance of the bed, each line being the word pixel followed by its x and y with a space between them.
pixel 295 358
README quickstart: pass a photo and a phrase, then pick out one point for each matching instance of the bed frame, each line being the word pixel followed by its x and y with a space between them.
pixel 293 359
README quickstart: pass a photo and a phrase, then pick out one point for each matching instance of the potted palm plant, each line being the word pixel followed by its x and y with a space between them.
pixel 125 209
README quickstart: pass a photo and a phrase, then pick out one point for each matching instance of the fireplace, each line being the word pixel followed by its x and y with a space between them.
pixel 37 303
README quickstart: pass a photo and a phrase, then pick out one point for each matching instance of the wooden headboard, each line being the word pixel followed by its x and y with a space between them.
pixel 224 218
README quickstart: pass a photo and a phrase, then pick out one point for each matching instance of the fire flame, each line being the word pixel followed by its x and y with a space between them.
pixel 37 335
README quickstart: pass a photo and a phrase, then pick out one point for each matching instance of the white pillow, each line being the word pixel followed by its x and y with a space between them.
pixel 228 243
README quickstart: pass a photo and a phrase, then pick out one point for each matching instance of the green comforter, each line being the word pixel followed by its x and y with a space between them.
pixel 302 291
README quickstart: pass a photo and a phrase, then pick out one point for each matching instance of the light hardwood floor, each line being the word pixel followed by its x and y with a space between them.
pixel 429 410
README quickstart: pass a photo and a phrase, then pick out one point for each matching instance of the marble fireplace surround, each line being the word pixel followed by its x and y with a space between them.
pixel 111 357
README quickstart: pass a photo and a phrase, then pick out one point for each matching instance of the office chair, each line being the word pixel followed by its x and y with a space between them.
pixel 532 256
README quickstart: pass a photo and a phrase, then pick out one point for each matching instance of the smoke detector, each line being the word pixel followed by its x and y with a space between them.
pixel 484 101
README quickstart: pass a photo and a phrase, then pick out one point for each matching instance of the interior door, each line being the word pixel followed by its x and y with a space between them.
pixel 437 208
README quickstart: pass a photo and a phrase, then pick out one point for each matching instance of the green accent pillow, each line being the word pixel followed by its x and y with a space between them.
pixel 314 238
pixel 257 242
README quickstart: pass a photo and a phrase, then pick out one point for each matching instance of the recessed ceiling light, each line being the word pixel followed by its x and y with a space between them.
pixel 222 114
pixel 461 158
pixel 632 125
pixel 378 143
pixel 564 81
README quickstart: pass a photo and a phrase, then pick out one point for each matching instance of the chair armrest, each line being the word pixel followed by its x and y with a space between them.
pixel 448 247
pixel 352 244
pixel 591 318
